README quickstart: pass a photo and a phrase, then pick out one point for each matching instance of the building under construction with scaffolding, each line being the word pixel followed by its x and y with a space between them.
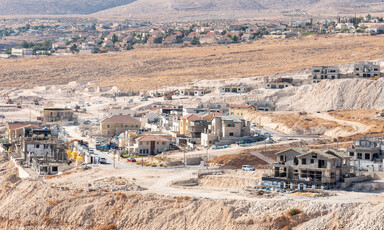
pixel 301 168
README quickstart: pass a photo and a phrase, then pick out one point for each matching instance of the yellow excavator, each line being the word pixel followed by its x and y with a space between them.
pixel 19 104
pixel 9 99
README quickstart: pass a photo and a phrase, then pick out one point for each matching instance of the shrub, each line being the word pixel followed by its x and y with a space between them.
pixel 294 212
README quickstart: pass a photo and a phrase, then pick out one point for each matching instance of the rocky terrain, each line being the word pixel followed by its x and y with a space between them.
pixel 46 205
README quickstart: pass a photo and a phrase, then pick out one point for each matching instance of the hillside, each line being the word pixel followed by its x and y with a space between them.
pixel 343 94
pixel 183 9
pixel 146 68
pixel 52 7
pixel 229 9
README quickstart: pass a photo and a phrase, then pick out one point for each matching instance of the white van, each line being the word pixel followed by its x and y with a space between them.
pixel 248 168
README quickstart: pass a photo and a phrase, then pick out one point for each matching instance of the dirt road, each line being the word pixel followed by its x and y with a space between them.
pixel 340 132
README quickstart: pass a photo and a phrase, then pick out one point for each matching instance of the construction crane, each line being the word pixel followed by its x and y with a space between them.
pixel 168 96
pixel 19 104
pixel 9 99
pixel 69 142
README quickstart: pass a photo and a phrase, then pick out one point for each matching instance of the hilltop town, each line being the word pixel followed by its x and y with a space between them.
pixel 30 37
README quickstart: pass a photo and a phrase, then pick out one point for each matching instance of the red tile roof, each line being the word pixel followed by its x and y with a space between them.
pixel 120 119
pixel 152 138
pixel 191 117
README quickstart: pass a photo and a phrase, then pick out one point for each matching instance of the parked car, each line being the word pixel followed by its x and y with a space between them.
pixel 97 143
pixel 91 151
pixel 103 160
pixel 87 122
pixel 131 159
pixel 248 168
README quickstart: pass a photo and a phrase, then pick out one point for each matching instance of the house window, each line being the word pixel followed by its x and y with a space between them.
pixel 281 158
pixel 312 161
pixel 163 143
pixel 352 154
pixel 359 156
pixel 137 126
pixel 231 134
pixel 367 156
pixel 108 126
pixel 37 146
pixel 314 156
pixel 303 161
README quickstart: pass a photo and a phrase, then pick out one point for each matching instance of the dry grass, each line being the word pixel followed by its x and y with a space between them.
pixel 53 202
pixel 366 117
pixel 303 121
pixel 58 176
pixel 121 195
pixel 108 227
pixel 149 68
pixel 47 219
pixel 182 198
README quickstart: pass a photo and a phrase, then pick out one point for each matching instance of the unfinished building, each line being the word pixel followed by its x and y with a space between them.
pixel 366 70
pixel 306 168
pixel 279 83
pixel 367 154
pixel 225 130
pixel 59 115
pixel 324 72
pixel 262 105
pixel 234 88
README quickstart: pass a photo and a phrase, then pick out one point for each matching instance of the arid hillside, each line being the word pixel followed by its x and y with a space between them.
pixel 52 7
pixel 149 68
pixel 230 9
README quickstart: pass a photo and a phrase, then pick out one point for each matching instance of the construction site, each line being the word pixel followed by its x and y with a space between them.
pixel 277 151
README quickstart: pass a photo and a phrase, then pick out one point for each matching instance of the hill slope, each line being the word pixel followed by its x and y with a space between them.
pixel 51 7
pixel 243 8
pixel 198 9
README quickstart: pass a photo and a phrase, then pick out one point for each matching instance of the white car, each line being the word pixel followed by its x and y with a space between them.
pixel 103 160
pixel 247 168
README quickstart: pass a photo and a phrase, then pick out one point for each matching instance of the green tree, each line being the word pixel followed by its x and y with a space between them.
pixel 114 38
pixel 195 41
pixel 158 40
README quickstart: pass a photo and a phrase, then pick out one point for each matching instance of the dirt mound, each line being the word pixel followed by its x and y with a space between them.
pixel 13 178
pixel 238 160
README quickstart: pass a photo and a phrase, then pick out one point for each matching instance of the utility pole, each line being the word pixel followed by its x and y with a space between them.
pixel 114 158
pixel 184 157
pixel 265 145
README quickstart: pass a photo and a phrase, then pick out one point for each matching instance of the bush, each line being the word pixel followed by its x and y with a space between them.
pixel 294 212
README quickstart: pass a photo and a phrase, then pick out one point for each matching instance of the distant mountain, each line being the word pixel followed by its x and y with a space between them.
pixel 226 8
pixel 188 8
pixel 52 7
